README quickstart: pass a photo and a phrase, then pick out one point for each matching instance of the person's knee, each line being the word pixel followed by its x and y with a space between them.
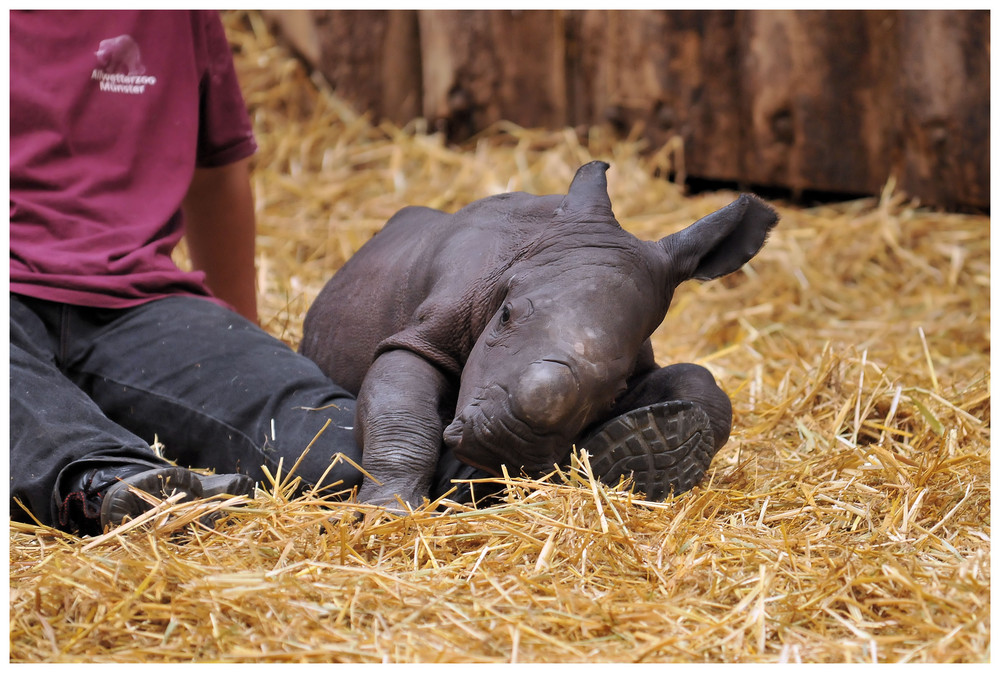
pixel 693 382
pixel 689 375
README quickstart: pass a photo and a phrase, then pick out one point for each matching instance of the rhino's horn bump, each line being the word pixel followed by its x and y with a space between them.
pixel 588 191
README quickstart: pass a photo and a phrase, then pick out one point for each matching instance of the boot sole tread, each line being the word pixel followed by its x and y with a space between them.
pixel 664 448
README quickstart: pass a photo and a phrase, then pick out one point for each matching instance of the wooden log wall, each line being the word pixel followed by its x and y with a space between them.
pixel 828 101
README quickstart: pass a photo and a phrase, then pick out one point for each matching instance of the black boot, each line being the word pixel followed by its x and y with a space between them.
pixel 665 448
pixel 120 502
pixel 101 497
pixel 81 496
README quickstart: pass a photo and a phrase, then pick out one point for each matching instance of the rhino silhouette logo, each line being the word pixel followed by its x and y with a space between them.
pixel 120 56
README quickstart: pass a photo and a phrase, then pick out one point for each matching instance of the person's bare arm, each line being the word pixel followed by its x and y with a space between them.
pixel 221 231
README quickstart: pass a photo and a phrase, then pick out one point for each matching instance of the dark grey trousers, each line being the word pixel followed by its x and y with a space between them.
pixel 93 388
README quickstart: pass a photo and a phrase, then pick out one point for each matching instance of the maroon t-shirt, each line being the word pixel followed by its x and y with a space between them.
pixel 110 113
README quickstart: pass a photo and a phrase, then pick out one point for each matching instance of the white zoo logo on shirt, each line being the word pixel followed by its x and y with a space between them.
pixel 120 68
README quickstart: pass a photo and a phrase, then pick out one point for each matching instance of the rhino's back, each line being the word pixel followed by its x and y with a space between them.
pixel 421 258
pixel 372 295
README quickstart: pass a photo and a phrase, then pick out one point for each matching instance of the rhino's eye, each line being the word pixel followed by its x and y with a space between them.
pixel 505 315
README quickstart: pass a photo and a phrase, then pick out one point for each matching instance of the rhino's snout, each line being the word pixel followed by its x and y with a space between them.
pixel 521 424
pixel 545 394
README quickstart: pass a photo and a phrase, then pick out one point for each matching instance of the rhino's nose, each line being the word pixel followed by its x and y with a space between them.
pixel 546 394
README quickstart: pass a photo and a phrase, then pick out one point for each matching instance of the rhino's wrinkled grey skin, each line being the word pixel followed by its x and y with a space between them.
pixel 506 329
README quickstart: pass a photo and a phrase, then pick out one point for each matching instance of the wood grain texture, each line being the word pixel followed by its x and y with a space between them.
pixel 832 101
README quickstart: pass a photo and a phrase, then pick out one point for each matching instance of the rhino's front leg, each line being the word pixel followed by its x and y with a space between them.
pixel 400 427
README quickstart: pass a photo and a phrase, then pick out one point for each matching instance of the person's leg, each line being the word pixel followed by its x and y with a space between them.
pixel 63 450
pixel 683 381
pixel 216 390
pixel 664 431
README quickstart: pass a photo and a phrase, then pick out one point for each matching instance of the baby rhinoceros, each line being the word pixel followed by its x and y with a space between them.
pixel 511 330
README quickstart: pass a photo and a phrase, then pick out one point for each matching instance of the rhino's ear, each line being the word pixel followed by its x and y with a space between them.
pixel 721 242
pixel 588 193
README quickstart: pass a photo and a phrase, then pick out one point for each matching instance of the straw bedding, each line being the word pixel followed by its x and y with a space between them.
pixel 848 518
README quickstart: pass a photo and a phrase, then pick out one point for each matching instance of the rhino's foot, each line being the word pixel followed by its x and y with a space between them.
pixel 665 447
pixel 395 499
